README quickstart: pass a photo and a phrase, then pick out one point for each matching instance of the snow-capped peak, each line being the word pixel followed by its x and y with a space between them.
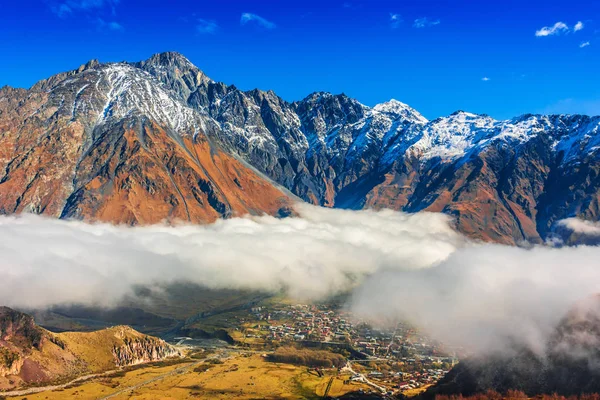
pixel 397 109
pixel 170 58
pixel 453 136
pixel 129 90
pixel 161 88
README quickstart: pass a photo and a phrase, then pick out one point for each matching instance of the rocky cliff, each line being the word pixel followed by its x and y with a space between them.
pixel 139 349
pixel 30 355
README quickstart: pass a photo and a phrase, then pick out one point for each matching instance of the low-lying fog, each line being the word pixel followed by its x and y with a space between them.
pixel 414 267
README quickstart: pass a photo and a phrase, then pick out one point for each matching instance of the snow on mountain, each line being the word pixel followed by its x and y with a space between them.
pixel 452 137
pixel 463 134
pixel 397 109
pixel 170 90
pixel 383 125
pixel 582 138
pixel 105 93
pixel 131 90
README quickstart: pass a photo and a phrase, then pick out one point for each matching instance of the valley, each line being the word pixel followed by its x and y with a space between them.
pixel 234 228
pixel 238 352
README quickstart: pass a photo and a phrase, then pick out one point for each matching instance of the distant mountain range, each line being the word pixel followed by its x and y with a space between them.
pixel 157 140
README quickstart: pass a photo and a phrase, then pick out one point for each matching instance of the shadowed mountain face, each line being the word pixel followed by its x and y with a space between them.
pixel 159 140
pixel 569 365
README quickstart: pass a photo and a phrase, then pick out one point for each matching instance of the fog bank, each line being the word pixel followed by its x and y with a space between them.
pixel 322 252
pixel 413 267
pixel 486 297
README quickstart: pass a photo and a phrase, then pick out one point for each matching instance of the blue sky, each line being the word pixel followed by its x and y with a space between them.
pixel 502 58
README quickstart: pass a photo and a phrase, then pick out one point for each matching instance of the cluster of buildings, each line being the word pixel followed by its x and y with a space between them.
pixel 398 357
pixel 303 322
pixel 406 380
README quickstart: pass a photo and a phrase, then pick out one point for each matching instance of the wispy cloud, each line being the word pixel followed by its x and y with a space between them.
pixel 584 44
pixel 425 22
pixel 67 8
pixel 257 19
pixel 205 26
pixel 351 6
pixel 578 26
pixel 395 20
pixel 109 25
pixel 556 29
pixel 485 79
pixel 62 10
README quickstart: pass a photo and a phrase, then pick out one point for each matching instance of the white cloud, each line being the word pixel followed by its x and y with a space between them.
pixel 425 22
pixel 62 10
pixel 485 79
pixel 206 26
pixel 68 7
pixel 485 297
pixel 581 226
pixel 578 26
pixel 249 17
pixel 109 25
pixel 556 29
pixel 399 266
pixel 584 44
pixel 324 252
pixel 395 20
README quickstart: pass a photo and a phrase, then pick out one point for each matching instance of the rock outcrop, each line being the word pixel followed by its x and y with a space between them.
pixel 140 349
pixel 30 355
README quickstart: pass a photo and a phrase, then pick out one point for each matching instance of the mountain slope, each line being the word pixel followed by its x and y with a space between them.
pixel 108 142
pixel 158 139
pixel 32 355
pixel 568 365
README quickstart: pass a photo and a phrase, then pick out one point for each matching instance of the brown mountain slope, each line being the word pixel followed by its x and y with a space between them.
pixel 62 161
pixel 31 355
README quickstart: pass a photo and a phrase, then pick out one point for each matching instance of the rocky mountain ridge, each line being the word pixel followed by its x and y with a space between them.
pixel 32 355
pixel 158 139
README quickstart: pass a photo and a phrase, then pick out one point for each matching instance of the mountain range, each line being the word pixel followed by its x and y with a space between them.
pixel 156 140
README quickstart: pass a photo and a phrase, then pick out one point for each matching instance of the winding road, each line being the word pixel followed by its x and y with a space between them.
pixel 362 378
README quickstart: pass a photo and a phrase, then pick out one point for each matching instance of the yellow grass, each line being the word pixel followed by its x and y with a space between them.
pixel 415 392
pixel 101 387
pixel 240 377
pixel 95 348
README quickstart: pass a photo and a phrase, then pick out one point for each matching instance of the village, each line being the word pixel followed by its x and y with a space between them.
pixel 393 359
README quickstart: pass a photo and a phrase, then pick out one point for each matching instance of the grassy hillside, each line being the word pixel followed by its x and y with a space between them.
pixel 31 355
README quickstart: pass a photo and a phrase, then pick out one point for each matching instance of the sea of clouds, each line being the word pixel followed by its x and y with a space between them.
pixel 413 267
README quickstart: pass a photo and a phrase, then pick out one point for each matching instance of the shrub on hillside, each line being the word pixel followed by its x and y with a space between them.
pixel 309 358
